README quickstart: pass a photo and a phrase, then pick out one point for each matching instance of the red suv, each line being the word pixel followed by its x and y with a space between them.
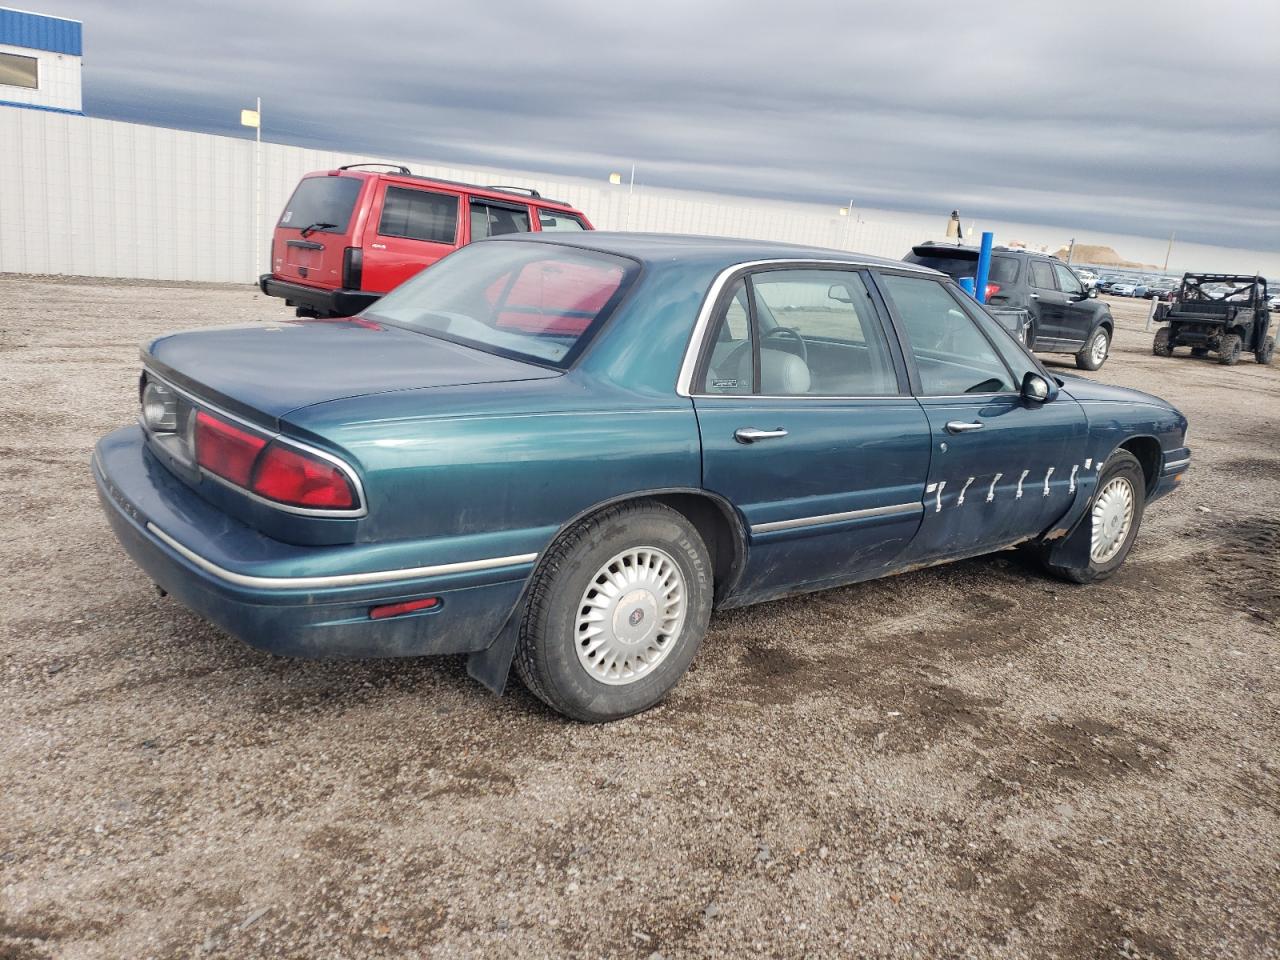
pixel 348 236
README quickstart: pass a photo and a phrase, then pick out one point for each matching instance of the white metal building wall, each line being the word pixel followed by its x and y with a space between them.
pixel 88 197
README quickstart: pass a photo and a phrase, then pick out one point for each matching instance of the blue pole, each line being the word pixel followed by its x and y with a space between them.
pixel 966 284
pixel 984 266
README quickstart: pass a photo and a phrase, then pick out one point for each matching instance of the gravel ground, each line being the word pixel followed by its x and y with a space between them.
pixel 967 761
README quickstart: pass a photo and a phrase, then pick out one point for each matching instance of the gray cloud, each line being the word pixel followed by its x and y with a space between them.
pixel 1132 118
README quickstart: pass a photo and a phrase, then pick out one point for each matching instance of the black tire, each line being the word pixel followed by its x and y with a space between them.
pixel 1229 350
pixel 546 658
pixel 1161 346
pixel 1121 464
pixel 1267 352
pixel 1087 359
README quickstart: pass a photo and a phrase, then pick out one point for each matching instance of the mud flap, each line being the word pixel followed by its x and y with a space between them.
pixel 492 666
pixel 1073 549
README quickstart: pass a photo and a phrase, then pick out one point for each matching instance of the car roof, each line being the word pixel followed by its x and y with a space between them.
pixel 510 194
pixel 659 248
pixel 929 247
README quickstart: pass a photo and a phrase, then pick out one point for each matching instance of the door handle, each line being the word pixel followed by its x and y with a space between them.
pixel 961 426
pixel 1034 296
pixel 751 434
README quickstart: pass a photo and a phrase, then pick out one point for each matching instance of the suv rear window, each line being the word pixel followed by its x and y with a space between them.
pixel 964 263
pixel 327 200
pixel 533 301
pixel 557 220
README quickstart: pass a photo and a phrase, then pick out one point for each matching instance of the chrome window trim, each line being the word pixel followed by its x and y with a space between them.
pixel 798 522
pixel 340 579
pixel 689 364
pixel 346 468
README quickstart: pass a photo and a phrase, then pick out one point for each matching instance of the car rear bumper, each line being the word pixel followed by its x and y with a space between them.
pixel 175 536
pixel 337 303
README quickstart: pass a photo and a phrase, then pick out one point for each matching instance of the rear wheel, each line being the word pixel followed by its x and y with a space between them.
pixel 1267 352
pixel 1114 517
pixel 1161 346
pixel 617 611
pixel 1094 354
pixel 1229 350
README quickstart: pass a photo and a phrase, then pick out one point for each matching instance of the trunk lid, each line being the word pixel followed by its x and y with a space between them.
pixel 265 371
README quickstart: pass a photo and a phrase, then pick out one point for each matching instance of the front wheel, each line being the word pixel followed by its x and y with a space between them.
pixel 1114 517
pixel 1161 346
pixel 1094 354
pixel 1267 352
pixel 617 610
pixel 1229 350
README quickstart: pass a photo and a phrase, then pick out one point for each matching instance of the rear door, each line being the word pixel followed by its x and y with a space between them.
pixel 808 427
pixel 411 228
pixel 315 229
pixel 1048 305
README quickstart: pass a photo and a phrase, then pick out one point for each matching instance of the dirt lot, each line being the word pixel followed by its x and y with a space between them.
pixel 970 761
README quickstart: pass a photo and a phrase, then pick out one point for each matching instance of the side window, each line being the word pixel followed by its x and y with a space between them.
pixel 1003 269
pixel 1068 282
pixel 556 221
pixel 1013 353
pixel 1042 275
pixel 951 353
pixel 493 220
pixel 820 335
pixel 419 215
pixel 730 367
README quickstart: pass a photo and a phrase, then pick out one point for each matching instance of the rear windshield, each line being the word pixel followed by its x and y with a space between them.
pixel 534 301
pixel 964 263
pixel 322 203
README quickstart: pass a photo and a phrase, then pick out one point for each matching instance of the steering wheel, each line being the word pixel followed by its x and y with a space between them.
pixel 789 332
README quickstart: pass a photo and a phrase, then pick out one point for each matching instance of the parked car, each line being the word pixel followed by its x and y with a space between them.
pixel 1064 317
pixel 1124 288
pixel 348 236
pixel 1163 289
pixel 1087 277
pixel 567 450
pixel 1107 282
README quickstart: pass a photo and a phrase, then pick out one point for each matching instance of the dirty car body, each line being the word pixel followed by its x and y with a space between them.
pixel 723 422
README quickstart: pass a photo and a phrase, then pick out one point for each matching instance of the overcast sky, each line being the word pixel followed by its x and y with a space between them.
pixel 1123 117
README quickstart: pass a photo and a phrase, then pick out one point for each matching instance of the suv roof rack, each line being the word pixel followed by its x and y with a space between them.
pixel 398 167
pixel 527 191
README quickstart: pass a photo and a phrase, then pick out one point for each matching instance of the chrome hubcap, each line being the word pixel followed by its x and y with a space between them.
pixel 630 615
pixel 1112 518
pixel 1099 348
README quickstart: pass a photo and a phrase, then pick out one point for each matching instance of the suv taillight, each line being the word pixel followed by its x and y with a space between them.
pixel 352 268
pixel 992 290
pixel 269 468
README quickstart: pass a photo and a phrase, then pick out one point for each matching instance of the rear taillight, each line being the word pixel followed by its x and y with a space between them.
pixel 271 469
pixel 992 290
pixel 226 450
pixel 352 268
pixel 301 480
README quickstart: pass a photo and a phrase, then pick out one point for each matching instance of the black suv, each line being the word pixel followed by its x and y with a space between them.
pixel 1064 318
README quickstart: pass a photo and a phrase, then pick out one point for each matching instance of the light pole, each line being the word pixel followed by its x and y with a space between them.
pixel 847 213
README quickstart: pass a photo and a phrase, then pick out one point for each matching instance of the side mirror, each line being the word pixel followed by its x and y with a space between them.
pixel 839 293
pixel 1036 389
pixel 1093 293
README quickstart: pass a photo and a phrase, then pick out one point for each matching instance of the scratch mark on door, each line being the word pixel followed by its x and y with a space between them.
pixel 991 492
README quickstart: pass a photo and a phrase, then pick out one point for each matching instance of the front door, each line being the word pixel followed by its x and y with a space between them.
pixel 1002 469
pixel 808 427
pixel 1077 311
